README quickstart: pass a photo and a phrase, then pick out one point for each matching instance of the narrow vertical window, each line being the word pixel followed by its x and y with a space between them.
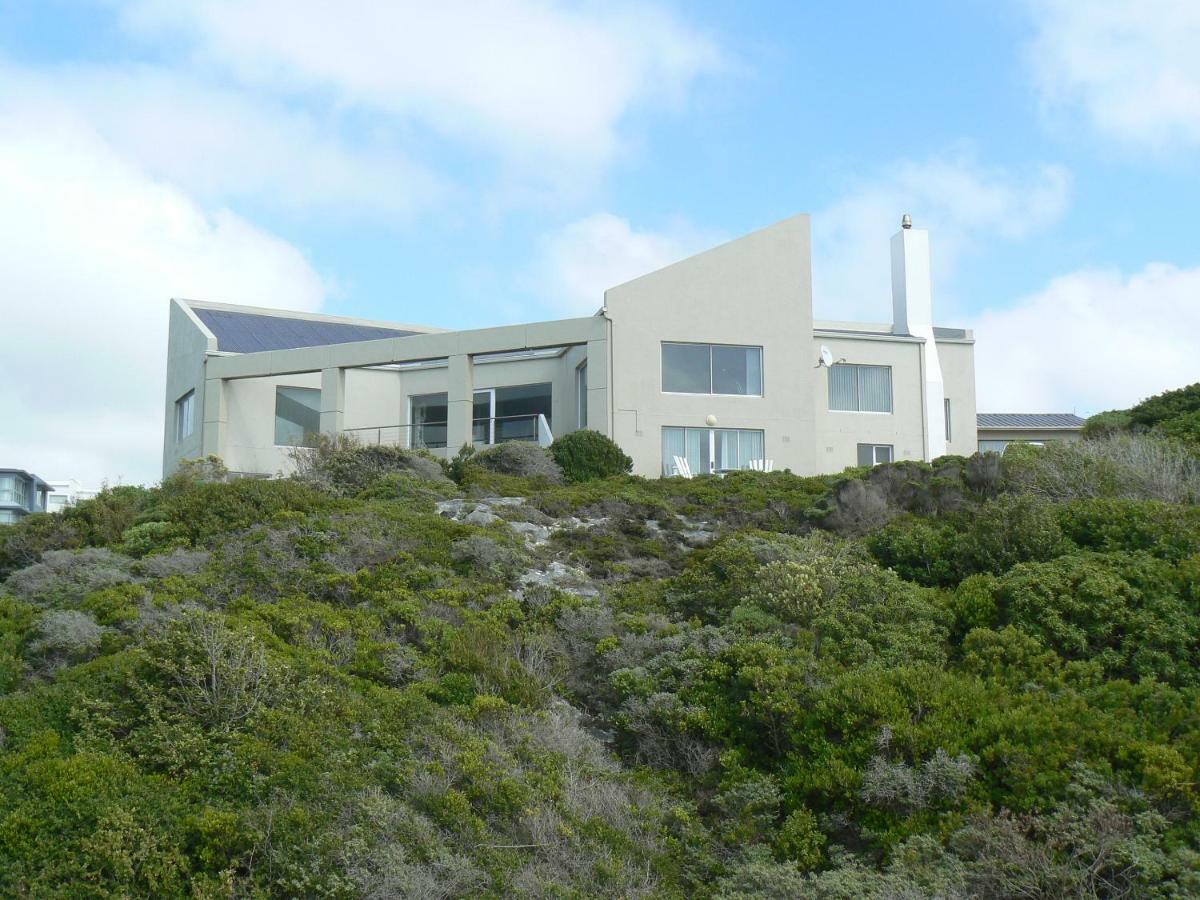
pixel 581 394
pixel 946 406
pixel 185 416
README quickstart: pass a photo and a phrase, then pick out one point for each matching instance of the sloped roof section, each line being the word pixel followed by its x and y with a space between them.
pixel 247 332
pixel 1028 420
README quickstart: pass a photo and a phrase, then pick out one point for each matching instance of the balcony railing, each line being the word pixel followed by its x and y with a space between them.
pixel 532 428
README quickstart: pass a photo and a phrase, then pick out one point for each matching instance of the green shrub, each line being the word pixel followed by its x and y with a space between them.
pixel 521 459
pixel 346 468
pixel 585 454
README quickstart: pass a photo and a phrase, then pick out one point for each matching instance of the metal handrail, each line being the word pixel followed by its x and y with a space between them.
pixel 541 435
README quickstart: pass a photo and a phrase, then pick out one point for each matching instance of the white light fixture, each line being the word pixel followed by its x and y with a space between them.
pixel 711 421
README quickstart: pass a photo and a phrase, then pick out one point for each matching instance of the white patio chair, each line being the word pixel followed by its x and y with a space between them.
pixel 762 465
pixel 682 468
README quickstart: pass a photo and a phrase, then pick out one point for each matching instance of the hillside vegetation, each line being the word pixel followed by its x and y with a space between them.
pixel 386 678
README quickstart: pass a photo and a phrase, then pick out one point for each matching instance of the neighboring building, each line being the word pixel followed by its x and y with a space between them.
pixel 67 493
pixel 21 493
pixel 715 359
pixel 998 430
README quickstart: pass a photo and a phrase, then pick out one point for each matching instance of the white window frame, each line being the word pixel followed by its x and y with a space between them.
pixel 875 449
pixel 762 374
pixel 858 393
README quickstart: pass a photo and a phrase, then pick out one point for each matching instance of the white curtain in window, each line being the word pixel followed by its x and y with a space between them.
pixel 673 444
pixel 843 387
pixel 875 388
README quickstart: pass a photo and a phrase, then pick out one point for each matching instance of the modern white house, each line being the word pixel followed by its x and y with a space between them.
pixel 67 493
pixel 715 360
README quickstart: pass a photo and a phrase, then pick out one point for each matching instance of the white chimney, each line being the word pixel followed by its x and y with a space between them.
pixel 912 314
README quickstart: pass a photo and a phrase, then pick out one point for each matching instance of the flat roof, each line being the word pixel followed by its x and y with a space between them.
pixel 1029 420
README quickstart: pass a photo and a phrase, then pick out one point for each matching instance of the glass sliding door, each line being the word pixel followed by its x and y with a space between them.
pixel 733 448
pixel 709 450
pixel 516 411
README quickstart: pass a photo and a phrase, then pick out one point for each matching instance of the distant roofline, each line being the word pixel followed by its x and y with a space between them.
pixel 307 316
pixel 884 330
pixel 36 479
pixel 1029 422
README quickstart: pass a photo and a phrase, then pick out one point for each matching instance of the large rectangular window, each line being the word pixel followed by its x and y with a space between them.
pixel 517 411
pixel 856 388
pixel 497 414
pixel 710 450
pixel 874 454
pixel 8 489
pixel 297 415
pixel 712 369
pixel 185 416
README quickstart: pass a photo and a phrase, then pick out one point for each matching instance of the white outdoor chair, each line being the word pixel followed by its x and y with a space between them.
pixel 762 465
pixel 682 468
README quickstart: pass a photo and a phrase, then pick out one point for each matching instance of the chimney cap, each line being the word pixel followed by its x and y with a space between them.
pixel 906 221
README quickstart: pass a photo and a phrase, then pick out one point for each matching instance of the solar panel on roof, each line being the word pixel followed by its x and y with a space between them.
pixel 240 332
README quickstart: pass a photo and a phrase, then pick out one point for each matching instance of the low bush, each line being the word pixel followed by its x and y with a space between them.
pixel 585 455
pixel 346 468
pixel 518 459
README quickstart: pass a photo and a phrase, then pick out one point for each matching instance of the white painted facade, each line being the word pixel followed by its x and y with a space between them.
pixel 749 301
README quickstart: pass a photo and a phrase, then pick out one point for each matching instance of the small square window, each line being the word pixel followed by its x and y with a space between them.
pixel 874 454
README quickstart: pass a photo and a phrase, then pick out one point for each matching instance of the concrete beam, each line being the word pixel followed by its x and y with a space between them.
pixel 333 400
pixel 216 417
pixel 598 387
pixel 414 348
pixel 460 402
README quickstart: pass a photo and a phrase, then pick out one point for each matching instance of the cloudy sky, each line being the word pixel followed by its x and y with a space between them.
pixel 476 163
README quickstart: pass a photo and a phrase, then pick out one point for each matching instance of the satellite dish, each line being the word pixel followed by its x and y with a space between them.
pixel 826 357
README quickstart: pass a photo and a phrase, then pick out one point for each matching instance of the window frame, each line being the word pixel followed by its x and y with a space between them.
pixel 662 369
pixel 709 440
pixel 581 395
pixel 296 387
pixel 185 416
pixel 874 450
pixel 891 410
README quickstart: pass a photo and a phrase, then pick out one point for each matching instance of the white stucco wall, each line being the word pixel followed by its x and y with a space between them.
pixel 754 291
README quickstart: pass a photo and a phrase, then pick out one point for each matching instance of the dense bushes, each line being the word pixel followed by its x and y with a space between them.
pixel 984 684
pixel 583 455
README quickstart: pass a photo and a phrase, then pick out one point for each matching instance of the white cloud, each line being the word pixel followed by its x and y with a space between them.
pixel 1090 341
pixel 1132 68
pixel 91 249
pixel 224 145
pixel 544 82
pixel 603 250
pixel 958 200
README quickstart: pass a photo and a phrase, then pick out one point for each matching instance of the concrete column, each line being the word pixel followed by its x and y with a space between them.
pixel 216 416
pixel 333 400
pixel 460 401
pixel 598 388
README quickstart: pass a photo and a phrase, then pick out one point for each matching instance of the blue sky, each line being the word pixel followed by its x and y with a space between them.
pixel 477 163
